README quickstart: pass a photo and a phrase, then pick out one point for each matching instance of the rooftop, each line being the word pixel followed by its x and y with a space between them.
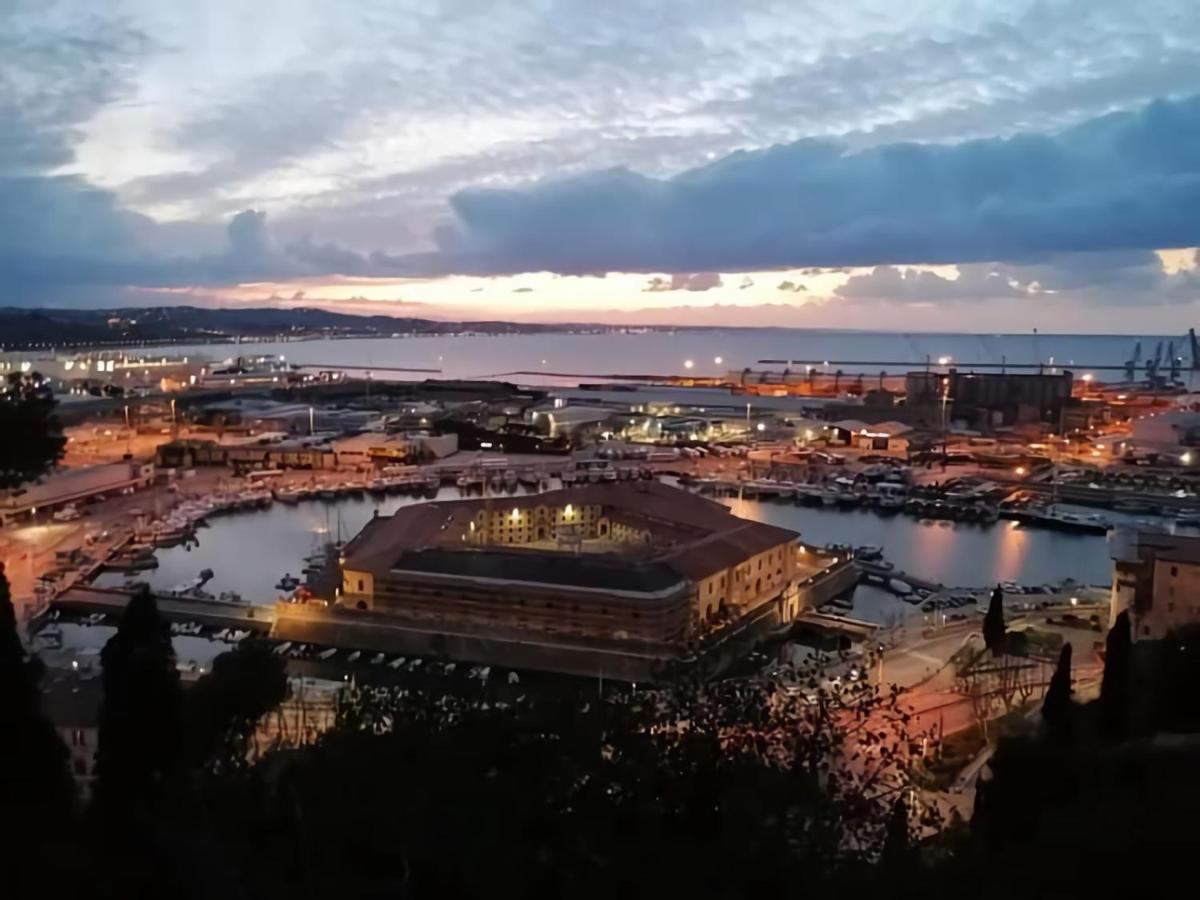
pixel 698 537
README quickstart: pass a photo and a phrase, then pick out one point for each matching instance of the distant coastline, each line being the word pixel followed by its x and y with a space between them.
pixel 23 329
pixel 80 329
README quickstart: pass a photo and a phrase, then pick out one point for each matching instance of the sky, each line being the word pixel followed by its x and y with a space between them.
pixel 981 165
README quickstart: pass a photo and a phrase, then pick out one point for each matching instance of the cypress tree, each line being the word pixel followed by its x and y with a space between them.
pixel 896 847
pixel 141 717
pixel 1056 707
pixel 993 623
pixel 1115 684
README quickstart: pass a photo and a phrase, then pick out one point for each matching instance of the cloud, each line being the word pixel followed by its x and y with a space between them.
pixel 1122 278
pixel 790 286
pixel 697 281
pixel 1119 182
pixel 974 282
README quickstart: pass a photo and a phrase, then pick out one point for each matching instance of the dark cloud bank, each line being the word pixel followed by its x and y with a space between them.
pixel 1122 182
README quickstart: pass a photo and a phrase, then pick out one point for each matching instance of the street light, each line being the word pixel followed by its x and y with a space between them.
pixel 687 363
pixel 718 360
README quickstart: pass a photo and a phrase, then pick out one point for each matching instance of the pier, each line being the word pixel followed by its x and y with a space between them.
pixel 85 600
pixel 848 626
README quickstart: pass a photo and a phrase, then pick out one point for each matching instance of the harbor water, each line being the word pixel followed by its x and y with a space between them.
pixel 535 358
pixel 250 550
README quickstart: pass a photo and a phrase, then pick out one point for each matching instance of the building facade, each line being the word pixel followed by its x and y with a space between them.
pixel 1156 577
pixel 626 562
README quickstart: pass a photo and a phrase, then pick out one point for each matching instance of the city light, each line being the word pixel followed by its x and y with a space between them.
pixel 687 364
pixel 762 426
pixel 944 360
pixel 516 514
pixel 718 360
pixel 1186 458
pixel 1020 470
pixel 1088 376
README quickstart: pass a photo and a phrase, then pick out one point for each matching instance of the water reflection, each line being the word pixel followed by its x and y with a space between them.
pixel 249 551
pixel 954 553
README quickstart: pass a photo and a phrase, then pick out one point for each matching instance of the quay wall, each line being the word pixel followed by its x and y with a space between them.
pixel 590 658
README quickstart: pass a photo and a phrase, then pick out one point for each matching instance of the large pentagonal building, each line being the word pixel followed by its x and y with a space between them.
pixel 616 578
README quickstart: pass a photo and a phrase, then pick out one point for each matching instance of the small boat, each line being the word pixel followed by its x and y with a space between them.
pixel 49 637
pixel 831 496
pixel 289 495
pixel 282 648
pixel 396 663
pixel 377 659
pixel 900 588
pixel 353 657
pixel 326 655
pixel 67 514
pixel 868 552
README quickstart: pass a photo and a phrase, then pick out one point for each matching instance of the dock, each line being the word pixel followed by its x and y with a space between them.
pixel 856 629
pixel 87 600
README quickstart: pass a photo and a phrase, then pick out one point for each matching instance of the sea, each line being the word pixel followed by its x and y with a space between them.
pixel 556 358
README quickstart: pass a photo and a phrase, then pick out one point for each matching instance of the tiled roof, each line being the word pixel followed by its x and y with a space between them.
pixel 705 538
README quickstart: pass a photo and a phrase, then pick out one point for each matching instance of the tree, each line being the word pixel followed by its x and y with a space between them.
pixel 37 794
pixel 140 719
pixel 32 435
pixel 224 707
pixel 1056 706
pixel 1116 683
pixel 993 623
pixel 501 791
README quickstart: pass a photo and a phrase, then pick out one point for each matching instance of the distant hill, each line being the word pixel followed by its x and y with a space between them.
pixel 34 328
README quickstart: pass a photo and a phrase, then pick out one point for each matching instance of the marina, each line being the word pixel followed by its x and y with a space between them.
pixel 288 535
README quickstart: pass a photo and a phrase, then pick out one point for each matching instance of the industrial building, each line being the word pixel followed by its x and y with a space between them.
pixel 69 486
pixel 983 401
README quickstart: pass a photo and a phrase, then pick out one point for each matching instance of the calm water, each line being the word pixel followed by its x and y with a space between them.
pixel 249 551
pixel 658 353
